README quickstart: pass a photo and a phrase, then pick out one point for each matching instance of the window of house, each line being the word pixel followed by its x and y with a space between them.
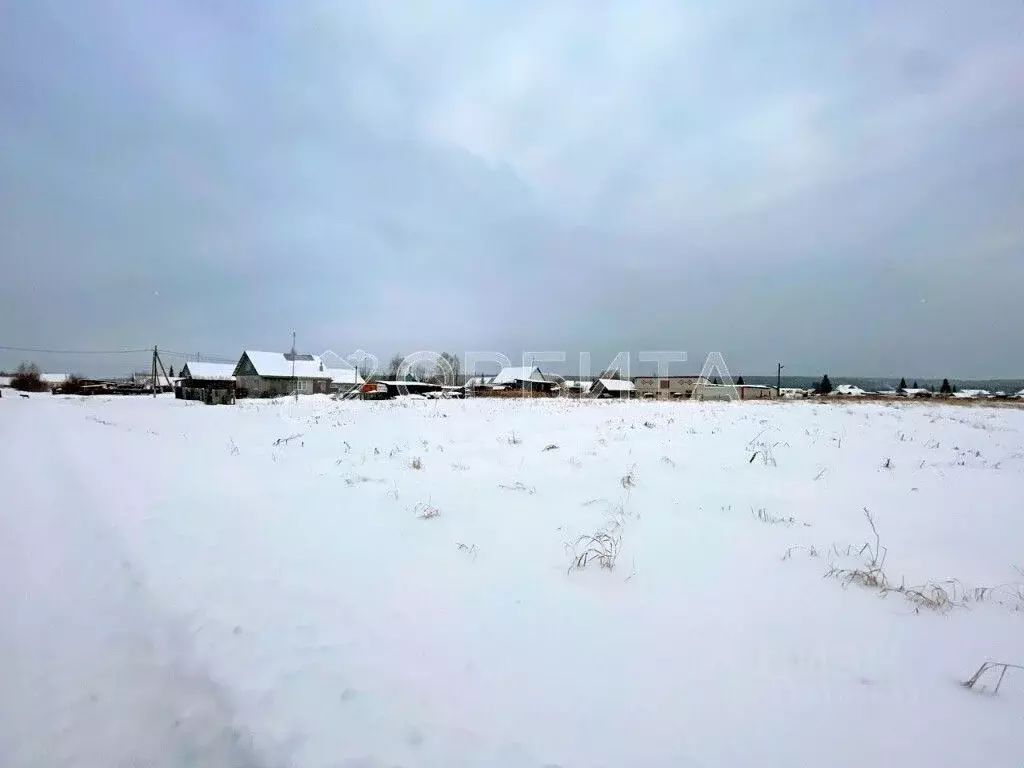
pixel 664 383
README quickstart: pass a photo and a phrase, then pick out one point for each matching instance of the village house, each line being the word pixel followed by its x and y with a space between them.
pixel 478 383
pixel 211 383
pixel 575 387
pixel 757 392
pixel 612 388
pixel 53 380
pixel 526 378
pixel 665 387
pixel 269 374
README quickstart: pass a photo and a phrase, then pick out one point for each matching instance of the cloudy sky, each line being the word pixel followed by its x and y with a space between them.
pixel 839 186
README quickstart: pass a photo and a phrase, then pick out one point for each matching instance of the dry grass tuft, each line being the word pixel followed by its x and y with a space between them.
pixel 769 519
pixel 628 480
pixel 811 551
pixel 426 511
pixel 1002 666
pixel 872 571
pixel 600 548
pixel 416 463
pixel 518 486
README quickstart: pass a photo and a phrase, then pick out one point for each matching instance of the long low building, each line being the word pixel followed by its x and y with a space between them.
pixel 665 387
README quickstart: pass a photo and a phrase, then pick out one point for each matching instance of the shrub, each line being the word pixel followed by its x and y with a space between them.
pixel 27 378
pixel 73 386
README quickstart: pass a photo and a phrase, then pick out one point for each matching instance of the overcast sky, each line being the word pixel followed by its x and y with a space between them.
pixel 837 185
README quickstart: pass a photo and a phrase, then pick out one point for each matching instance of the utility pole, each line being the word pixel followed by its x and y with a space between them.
pixel 295 381
pixel 778 380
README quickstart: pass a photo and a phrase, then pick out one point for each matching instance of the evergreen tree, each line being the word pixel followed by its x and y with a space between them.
pixel 825 386
pixel 903 385
pixel 739 382
pixel 171 372
pixel 945 389
pixel 915 386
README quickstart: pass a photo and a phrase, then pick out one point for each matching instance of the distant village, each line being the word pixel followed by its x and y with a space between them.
pixel 259 374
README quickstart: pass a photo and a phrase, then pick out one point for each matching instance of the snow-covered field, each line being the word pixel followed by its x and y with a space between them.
pixel 392 584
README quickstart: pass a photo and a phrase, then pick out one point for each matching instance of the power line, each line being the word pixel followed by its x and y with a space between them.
pixel 74 351
pixel 203 355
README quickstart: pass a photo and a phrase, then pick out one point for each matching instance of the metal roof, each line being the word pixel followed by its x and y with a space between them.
pixel 278 365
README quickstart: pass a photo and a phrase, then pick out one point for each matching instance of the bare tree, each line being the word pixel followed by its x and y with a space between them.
pixel 447 369
pixel 394 365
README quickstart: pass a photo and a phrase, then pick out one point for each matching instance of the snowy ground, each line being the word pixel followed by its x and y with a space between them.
pixel 279 584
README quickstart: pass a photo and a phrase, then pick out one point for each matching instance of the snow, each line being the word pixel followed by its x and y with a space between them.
pixel 268 584
pixel 345 376
pixel 972 394
pixel 5 381
pixel 513 375
pixel 617 385
pixel 278 364
pixel 53 379
pixel 204 371
pixel 849 390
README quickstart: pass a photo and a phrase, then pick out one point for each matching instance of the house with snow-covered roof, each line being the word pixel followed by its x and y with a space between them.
pixel 210 383
pixel 605 388
pixel 523 377
pixel 269 374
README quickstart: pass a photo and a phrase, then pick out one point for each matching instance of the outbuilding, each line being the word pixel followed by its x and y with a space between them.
pixel 608 388
pixel 666 387
pixel 345 380
pixel 526 378
pixel 211 383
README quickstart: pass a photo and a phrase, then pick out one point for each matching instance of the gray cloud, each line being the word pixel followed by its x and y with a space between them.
pixel 835 186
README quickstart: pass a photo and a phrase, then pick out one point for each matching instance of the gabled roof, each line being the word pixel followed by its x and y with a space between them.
pixel 522 373
pixel 53 378
pixel 480 381
pixel 197 369
pixel 280 365
pixel 617 385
